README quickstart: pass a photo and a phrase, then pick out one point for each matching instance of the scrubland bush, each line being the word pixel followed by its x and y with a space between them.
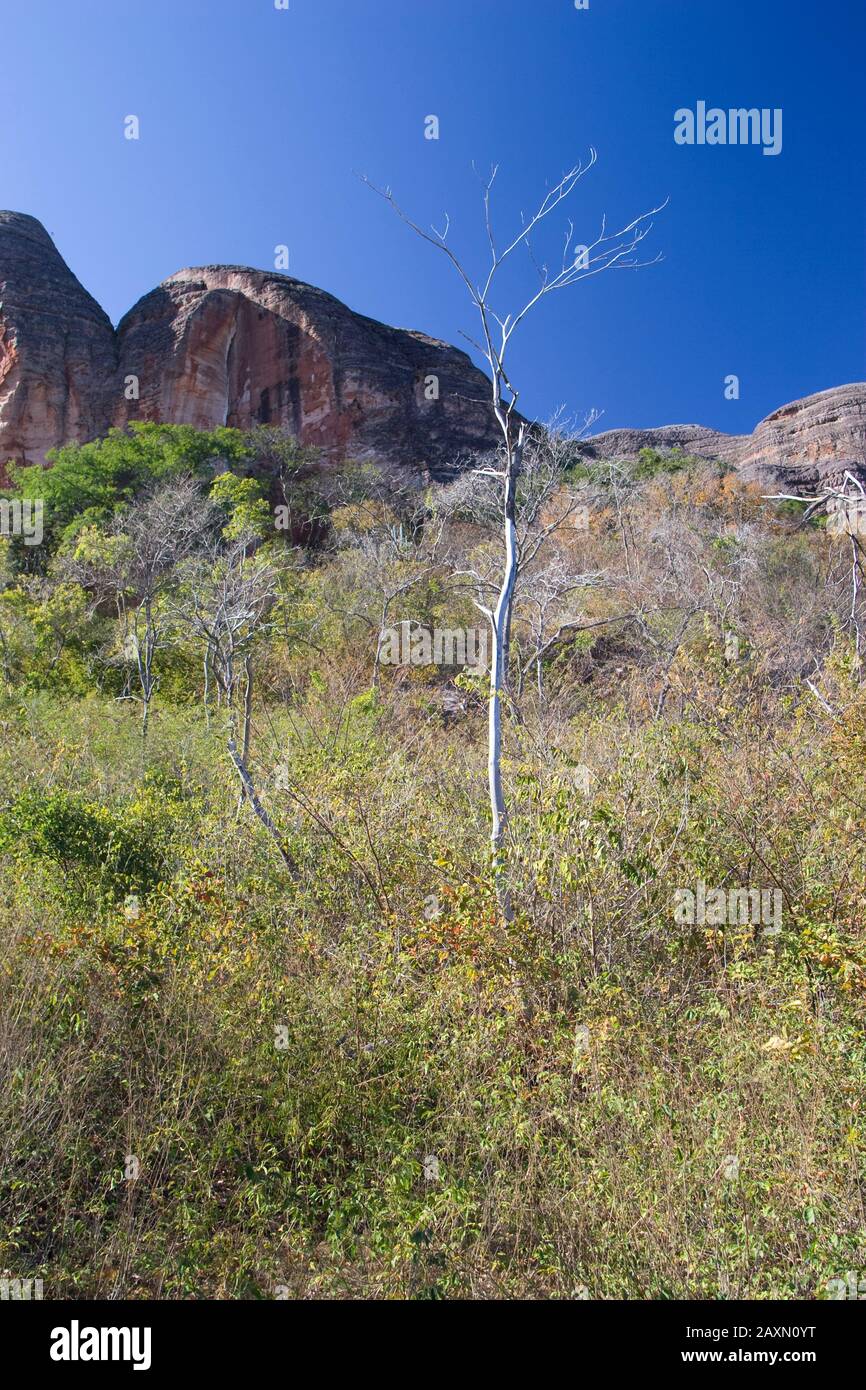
pixel 225 1079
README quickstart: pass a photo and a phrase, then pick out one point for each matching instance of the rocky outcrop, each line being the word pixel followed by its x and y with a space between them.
pixel 226 345
pixel 696 440
pixel 58 353
pixel 808 442
pixel 796 449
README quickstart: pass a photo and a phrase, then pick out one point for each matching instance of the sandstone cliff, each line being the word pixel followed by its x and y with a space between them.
pixel 227 345
pixel 805 443
pixel 224 345
pixel 58 354
pixel 794 449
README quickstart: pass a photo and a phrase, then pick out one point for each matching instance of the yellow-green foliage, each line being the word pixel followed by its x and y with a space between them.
pixel 283 1058
pixel 226 1081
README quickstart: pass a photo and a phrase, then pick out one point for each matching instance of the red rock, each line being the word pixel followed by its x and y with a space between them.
pixel 57 347
pixel 226 345
pixel 802 444
pixel 795 449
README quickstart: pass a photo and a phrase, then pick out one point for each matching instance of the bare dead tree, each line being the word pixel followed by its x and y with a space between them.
pixel 549 513
pixel 137 562
pixel 547 602
pixel 394 556
pixel 227 602
pixel 845 508
pixel 608 251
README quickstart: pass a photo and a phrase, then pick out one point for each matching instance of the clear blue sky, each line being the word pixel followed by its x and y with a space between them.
pixel 255 123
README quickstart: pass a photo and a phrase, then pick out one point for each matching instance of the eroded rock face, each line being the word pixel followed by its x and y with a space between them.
pixel 57 348
pixel 808 442
pixel 691 439
pixel 225 345
pixel 796 449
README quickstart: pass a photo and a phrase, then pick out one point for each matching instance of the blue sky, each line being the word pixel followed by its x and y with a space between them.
pixel 256 122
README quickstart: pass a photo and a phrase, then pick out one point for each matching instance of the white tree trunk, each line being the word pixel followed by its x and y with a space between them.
pixel 501 625
pixel 252 796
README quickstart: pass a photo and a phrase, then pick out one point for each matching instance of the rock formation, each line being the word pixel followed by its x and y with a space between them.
pixel 806 443
pixel 226 345
pixel 691 439
pixel 57 348
pixel 795 449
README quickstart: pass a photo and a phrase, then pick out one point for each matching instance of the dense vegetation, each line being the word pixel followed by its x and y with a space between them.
pixel 305 1057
